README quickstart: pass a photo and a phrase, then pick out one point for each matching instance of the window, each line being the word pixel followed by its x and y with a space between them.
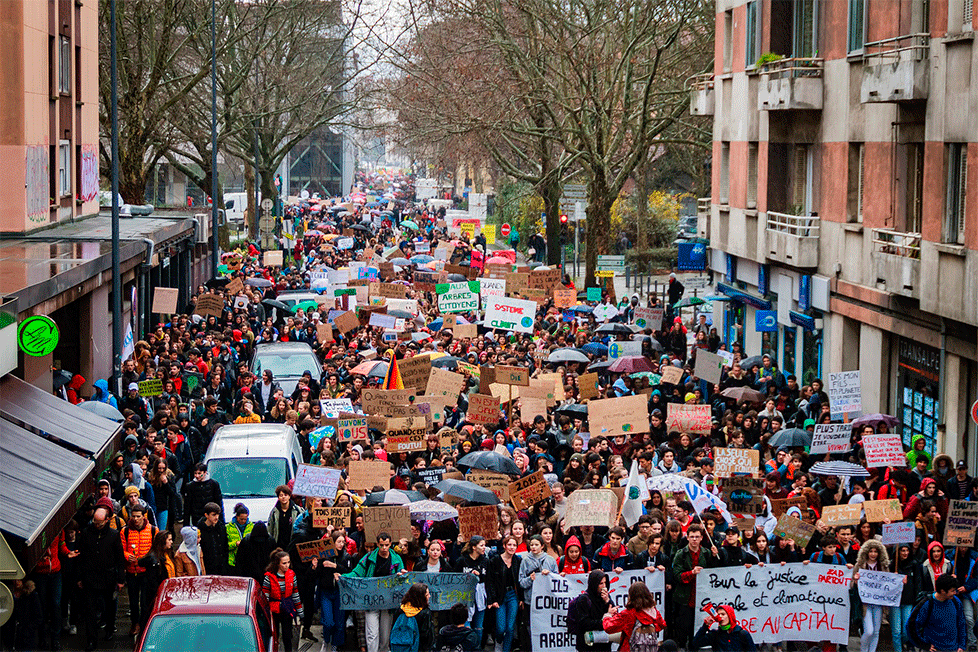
pixel 805 29
pixel 854 197
pixel 801 186
pixel 752 34
pixel 727 40
pixel 64 66
pixel 857 25
pixel 968 19
pixel 64 168
pixel 752 175
pixel 914 188
pixel 957 183
pixel 725 173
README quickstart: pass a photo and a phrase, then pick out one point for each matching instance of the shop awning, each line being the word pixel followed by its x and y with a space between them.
pixel 801 319
pixel 66 424
pixel 42 486
pixel 740 295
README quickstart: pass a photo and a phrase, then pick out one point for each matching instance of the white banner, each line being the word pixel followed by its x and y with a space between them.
pixel 510 314
pixel 552 595
pixel 831 438
pixel 794 602
pixel 877 587
pixel 845 392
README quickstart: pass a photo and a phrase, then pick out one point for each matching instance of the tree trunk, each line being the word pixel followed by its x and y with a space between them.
pixel 598 225
pixel 549 189
pixel 642 206
pixel 249 183
pixel 133 177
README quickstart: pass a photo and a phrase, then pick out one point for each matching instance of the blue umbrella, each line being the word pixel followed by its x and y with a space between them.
pixel 421 259
pixel 403 262
pixel 409 224
pixel 595 348
pixel 436 324
pixel 582 308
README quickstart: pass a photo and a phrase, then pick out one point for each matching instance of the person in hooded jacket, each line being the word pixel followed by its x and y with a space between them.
pixel 727 637
pixel 872 556
pixel 933 567
pixel 573 562
pixel 213 540
pixel 457 635
pixel 929 490
pixel 115 473
pixel 136 479
pixel 74 389
pixel 188 562
pixel 328 592
pixel 587 611
pixel 302 532
pixel 903 564
pixel 640 611
pixel 254 552
pixel 473 560
pixel 102 394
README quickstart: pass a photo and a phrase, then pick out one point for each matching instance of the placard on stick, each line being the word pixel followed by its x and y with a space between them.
pixel 513 375
pixel 596 507
pixel 415 370
pixel 744 495
pixel 836 515
pixel 481 520
pixel 165 300
pixel 364 475
pixel 497 483
pixel 483 409
pixel 625 415
pixel 588 385
pixel 209 304
pixel 395 520
pixel 529 490
pixel 447 383
pixel 234 287
pixel 338 517
pixel 878 511
pixel 272 258
pixel 962 521
pixel 781 505
pixel 735 461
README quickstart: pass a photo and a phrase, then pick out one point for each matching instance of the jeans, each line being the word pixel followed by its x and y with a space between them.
pixel 872 621
pixel 478 618
pixel 378 628
pixel 333 618
pixel 969 617
pixel 161 518
pixel 49 590
pixel 899 616
pixel 506 619
pixel 139 607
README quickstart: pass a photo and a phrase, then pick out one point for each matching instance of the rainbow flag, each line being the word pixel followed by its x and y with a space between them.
pixel 393 378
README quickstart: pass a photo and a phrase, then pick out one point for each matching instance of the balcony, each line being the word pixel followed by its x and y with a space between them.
pixel 704 211
pixel 702 97
pixel 896 262
pixel 792 239
pixel 791 85
pixel 896 69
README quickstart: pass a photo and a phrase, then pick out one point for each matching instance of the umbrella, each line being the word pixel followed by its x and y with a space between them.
pixel 630 364
pixel 103 410
pixel 421 259
pixel 400 314
pixel 400 260
pixel 489 461
pixel 392 250
pixel 654 379
pixel 466 490
pixel 365 367
pixel 457 278
pixel 258 282
pixel 791 437
pixel 432 510
pixel 567 355
pixel 654 343
pixel 615 328
pixel 361 227
pixel 753 361
pixel 844 469
pixel 307 305
pixel 595 348
pixel 743 395
pixel 61 378
pixel 583 309
pixel 600 365
pixel 498 260
pixel 574 410
pixel 667 482
pixel 449 362
pixel 392 497
pixel 217 282
pixel 410 224
pixel 689 301
pixel 876 419
pixel 420 337
pixel 379 370
pixel 278 305
pixel 311 232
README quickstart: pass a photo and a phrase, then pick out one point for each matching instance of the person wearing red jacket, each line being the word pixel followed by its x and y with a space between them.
pixel 47 578
pixel 573 562
pixel 640 611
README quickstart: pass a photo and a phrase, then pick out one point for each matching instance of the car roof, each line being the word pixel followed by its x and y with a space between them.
pixel 206 594
pixel 279 348
pixel 258 439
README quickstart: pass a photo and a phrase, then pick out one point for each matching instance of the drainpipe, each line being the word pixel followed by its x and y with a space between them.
pixel 145 268
pixel 941 380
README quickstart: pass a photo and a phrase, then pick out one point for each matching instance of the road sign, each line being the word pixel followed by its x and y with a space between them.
pixel 974 412
pixel 574 191
pixel 611 263
pixel 266 223
pixel 505 230
pixel 696 282
pixel 266 204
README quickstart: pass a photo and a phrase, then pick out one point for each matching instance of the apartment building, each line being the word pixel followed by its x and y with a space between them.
pixel 843 221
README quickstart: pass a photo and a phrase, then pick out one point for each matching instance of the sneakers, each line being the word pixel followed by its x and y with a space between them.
pixel 308 636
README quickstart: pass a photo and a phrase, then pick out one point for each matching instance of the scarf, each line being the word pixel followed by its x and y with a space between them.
pixel 190 547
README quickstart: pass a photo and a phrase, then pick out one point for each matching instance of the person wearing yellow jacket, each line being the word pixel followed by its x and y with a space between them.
pixel 239 527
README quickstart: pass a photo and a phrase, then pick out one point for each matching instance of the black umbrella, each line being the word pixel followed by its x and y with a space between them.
pixel 615 328
pixel 278 305
pixel 258 282
pixel 61 378
pixel 489 461
pixel 466 490
pixel 446 362
pixel 791 437
pixel 574 410
pixel 217 282
pixel 392 497
pixel 457 278
pixel 753 361
pixel 601 365
pixel 361 227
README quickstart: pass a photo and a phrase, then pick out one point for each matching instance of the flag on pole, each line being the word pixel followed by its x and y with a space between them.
pixel 636 493
pixel 392 380
pixel 128 344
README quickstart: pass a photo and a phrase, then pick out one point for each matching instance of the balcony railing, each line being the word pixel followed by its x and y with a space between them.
pixel 794 67
pixel 702 98
pixel 793 239
pixel 895 243
pixel 896 69
pixel 888 50
pixel 796 225
pixel 791 84
pixel 896 262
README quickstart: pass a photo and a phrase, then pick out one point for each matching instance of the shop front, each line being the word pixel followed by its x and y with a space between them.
pixel 918 391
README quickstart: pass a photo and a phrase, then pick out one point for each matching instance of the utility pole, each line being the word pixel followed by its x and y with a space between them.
pixel 216 250
pixel 116 277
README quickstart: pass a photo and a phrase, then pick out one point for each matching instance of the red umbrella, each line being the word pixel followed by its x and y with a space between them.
pixel 498 260
pixel 631 364
pixel 365 368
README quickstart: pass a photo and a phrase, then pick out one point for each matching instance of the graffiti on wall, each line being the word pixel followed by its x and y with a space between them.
pixel 89 173
pixel 37 182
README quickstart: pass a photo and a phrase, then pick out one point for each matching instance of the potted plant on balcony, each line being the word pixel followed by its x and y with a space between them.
pixel 766 59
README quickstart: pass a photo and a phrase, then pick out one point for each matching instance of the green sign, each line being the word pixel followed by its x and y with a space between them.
pixel 151 387
pixel 594 294
pixel 37 336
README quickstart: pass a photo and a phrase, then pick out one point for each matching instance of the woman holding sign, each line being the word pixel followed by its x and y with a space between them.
pixel 873 557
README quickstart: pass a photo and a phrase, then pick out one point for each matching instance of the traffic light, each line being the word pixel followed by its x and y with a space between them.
pixel 563 229
pixel 563 219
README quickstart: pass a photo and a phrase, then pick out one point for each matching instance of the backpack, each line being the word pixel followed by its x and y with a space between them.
pixel 924 605
pixel 405 635
pixel 644 638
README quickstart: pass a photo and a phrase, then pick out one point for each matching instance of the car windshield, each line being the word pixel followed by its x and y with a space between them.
pixel 248 476
pixel 200 632
pixel 287 364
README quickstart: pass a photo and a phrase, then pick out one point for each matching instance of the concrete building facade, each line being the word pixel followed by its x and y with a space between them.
pixel 844 207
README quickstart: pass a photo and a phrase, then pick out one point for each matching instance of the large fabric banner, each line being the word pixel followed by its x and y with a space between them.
pixel 552 595
pixel 379 593
pixel 794 602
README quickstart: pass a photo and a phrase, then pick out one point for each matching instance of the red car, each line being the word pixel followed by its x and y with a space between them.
pixel 194 613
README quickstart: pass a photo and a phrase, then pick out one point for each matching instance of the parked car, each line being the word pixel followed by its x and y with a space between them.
pixel 286 361
pixel 210 612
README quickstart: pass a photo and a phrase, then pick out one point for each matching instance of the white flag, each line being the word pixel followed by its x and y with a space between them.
pixel 128 345
pixel 636 493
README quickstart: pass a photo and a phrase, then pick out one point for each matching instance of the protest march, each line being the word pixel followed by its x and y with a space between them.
pixel 480 455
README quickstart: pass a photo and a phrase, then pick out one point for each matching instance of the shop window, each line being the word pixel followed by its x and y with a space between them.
pixel 788 366
pixel 811 356
pixel 769 343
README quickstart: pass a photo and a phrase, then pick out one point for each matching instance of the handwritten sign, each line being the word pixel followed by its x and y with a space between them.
pixel 835 515
pixel 492 287
pixel 845 392
pixel 513 375
pixel 364 475
pixel 781 505
pixel 899 532
pixel 831 438
pixel 444 382
pixel 962 521
pixel 316 481
pixel 671 374
pixel 483 409
pixel 883 451
pixel 380 401
pixel 688 418
pixel 352 429
pixel 406 434
pixel 150 387
pixel 878 511
pixel 209 305
pixel 565 298
pixel 744 495
pixel 650 318
pixel 394 520
pixel 735 461
pixel 709 366
pixel 415 370
pixel 789 527
pixel 272 259
pixel 596 507
pixel 376 593
pixel 316 549
pixel 625 415
pixel 878 587
pixel 497 483
pixel 458 297
pixel 165 300
pixel 588 385
pixel 346 322
pixel 480 520
pixel 338 517
pixel 529 490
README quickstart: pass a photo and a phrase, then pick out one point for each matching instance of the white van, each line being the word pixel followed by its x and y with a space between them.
pixel 236 205
pixel 250 460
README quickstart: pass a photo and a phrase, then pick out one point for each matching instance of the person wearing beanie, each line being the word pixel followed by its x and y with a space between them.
pixel 727 637
pixel 238 529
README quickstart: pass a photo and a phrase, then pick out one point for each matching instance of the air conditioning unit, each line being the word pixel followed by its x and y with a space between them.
pixel 203 227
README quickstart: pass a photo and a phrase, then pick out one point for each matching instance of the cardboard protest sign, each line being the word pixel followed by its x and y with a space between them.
pixel 881 588
pixel 743 495
pixel 346 322
pixel 548 279
pixel 671 374
pixel 240 302
pixel 150 387
pixel 392 290
pixel 884 450
pixel 538 296
pixel 272 258
pixel 336 516
pixel 235 286
pixel 395 520
pixel 835 515
pixel 165 300
pixel 625 415
pixel 483 409
pixel 415 370
pixel 315 549
pixel 497 483
pixel 458 297
pixel 588 385
pixel 529 490
pixel 513 375
pixel 962 522
pixel 878 511
pixel 406 434
pixel 352 429
pixel 492 287
pixel 444 382
pixel 481 520
pixel 845 392
pixel 516 282
pixel 735 461
pixel 565 298
pixel 688 418
pixel 709 366
pixel 596 507
pixel 380 401
pixel 899 532
pixel 531 407
pixel 831 438
pixel 797 530
pixel 364 475
pixel 209 304
pixel 316 481
pixel 781 505
pixel 463 331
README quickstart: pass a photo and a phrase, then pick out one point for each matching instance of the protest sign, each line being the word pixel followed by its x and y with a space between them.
pixel 323 517
pixel 406 434
pixel 594 294
pixel 735 461
pixel 333 406
pixel 835 515
pixel 463 331
pixel 529 490
pixel 392 290
pixel 962 521
pixel 884 450
pixel 431 475
pixel 671 374
pixel 165 300
pixel 492 287
pixel 458 297
pixel 709 366
pixel 789 527
pixel 553 593
pixel 480 520
pixel 621 349
pixel 272 259
pixel 878 587
pixel 796 602
pixel 845 392
pixel 364 475
pixel 315 549
pixel 831 438
pixel 346 322
pixel 234 287
pixel 516 282
pixel 547 279
pixel 878 511
pixel 687 418
pixel 483 409
pixel 650 318
pixel 781 505
pixel 378 593
pixel 351 429
pixel 513 375
pixel 531 407
pixel 240 302
pixel 209 305
pixel 444 382
pixel 591 507
pixel 150 387
pixel 625 415
pixel 380 320
pixel 510 314
pixel 380 401
pixel 427 281
pixel 565 298
pixel 537 295
pixel 415 370
pixel 395 520
pixel 588 385
pixel 899 532
pixel 744 495
pixel 316 481
pixel 324 333
pixel 497 483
